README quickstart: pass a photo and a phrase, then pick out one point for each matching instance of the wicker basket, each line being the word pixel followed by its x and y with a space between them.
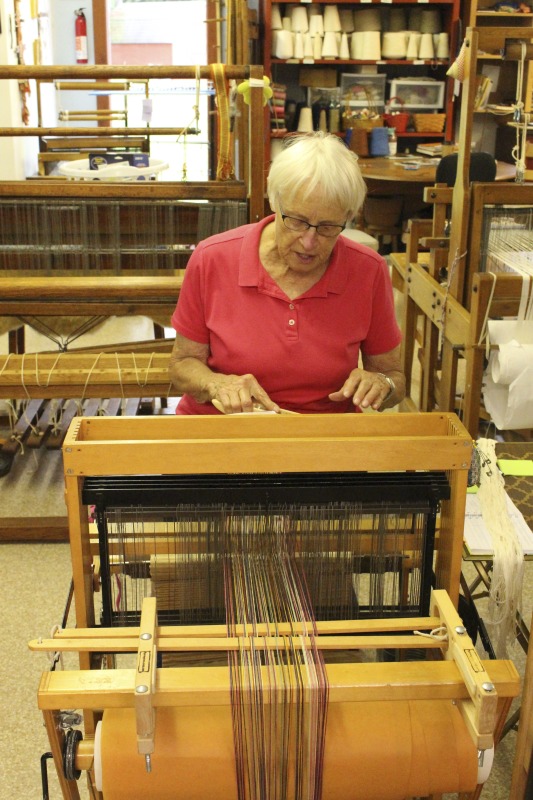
pixel 364 124
pixel 398 120
pixel 429 123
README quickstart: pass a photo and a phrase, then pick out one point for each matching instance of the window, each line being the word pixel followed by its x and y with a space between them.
pixel 165 32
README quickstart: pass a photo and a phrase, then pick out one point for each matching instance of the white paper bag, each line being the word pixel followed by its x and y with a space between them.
pixel 508 379
pixel 510 405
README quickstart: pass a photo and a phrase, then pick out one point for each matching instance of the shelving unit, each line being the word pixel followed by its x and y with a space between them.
pixel 501 136
pixel 286 72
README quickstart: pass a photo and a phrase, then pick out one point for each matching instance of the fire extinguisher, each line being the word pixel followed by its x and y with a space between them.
pixel 80 29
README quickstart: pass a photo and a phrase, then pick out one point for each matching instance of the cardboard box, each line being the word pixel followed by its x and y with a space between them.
pixel 133 159
pixel 311 76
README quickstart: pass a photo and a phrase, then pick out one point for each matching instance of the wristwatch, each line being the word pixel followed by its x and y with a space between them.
pixel 392 386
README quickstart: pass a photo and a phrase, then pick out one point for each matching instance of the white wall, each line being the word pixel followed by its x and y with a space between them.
pixel 18 155
pixel 63 51
pixel 63 19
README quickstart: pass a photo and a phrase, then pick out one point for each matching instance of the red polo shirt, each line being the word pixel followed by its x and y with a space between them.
pixel 299 350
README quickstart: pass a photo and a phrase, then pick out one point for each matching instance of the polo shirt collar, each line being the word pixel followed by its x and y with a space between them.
pixel 251 272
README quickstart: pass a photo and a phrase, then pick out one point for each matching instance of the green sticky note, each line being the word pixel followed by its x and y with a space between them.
pixel 515 466
pixel 472 489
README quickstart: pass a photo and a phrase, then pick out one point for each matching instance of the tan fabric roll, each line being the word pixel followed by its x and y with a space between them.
pixel 374 751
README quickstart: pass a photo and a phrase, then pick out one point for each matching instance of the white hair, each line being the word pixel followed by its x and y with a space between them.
pixel 317 163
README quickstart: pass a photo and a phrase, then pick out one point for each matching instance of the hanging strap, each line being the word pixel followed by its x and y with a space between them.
pixel 225 170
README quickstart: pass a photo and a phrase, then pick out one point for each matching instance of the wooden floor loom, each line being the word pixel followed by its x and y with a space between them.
pixel 73 253
pixel 284 717
pixel 446 329
pixel 448 298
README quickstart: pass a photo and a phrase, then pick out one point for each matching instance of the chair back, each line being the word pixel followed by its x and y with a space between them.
pixel 482 168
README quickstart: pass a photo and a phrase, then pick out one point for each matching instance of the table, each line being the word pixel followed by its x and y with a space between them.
pixel 387 170
pixel 387 176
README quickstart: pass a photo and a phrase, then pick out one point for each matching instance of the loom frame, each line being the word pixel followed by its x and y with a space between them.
pixel 482 690
pixel 119 294
pixel 251 156
pixel 234 444
pixel 458 326
pixel 418 493
pixel 455 313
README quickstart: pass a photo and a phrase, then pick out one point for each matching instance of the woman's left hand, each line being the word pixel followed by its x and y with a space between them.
pixel 367 389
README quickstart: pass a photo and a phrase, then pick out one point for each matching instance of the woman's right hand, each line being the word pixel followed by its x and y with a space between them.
pixel 237 394
pixel 190 374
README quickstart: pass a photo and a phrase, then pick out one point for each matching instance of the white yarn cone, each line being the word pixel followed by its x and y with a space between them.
pixel 426 49
pixel 298 46
pixel 394 44
pixel 356 45
pixel 372 46
pixel 308 46
pixel 344 48
pixel 443 46
pixel 276 17
pixel 284 44
pixel 413 44
pixel 316 25
pixel 329 45
pixel 317 47
pixel 305 120
pixel 299 20
pixel 332 20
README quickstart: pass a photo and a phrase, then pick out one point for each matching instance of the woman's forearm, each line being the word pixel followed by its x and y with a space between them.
pixel 191 376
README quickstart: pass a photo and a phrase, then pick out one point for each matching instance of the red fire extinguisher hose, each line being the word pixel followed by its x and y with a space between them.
pixel 80 28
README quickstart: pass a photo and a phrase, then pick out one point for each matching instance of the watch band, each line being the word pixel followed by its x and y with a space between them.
pixel 392 386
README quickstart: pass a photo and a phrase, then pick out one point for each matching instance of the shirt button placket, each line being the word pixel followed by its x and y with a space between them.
pixel 292 320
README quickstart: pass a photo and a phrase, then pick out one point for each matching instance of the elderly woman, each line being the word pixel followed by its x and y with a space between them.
pixel 279 313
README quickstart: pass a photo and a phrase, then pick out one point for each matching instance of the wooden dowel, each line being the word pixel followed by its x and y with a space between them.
pixel 98 132
pixel 132 72
pixel 218 644
pixel 323 627
pixel 87 86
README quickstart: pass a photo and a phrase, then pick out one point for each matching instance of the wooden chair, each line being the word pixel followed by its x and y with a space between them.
pixel 382 218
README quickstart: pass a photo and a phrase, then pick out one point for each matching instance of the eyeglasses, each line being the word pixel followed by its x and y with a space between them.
pixel 300 226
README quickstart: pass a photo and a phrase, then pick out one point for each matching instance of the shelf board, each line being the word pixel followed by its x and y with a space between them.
pixel 403 135
pixel 515 14
pixel 384 2
pixel 333 62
